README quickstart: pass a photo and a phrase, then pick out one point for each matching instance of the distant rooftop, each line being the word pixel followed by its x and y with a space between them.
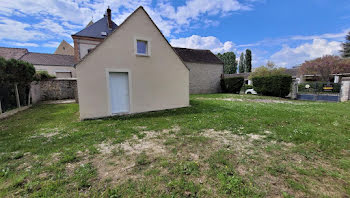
pixel 197 56
pixel 48 59
pixel 15 53
pixel 94 30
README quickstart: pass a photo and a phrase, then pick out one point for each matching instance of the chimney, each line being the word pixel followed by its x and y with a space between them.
pixel 109 17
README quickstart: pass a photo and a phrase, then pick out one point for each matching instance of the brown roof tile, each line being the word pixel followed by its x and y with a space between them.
pixel 15 53
pixel 48 59
pixel 197 56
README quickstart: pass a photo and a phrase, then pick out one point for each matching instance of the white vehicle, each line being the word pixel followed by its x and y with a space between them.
pixel 251 91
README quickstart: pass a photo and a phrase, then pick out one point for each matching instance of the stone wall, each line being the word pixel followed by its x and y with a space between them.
pixel 56 89
pixel 205 78
pixel 345 89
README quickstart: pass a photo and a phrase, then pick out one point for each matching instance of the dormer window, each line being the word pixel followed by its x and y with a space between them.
pixel 142 47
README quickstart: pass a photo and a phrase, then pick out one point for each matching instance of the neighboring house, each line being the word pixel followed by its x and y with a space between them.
pixel 134 70
pixel 92 35
pixel 205 70
pixel 15 53
pixel 61 66
pixel 65 49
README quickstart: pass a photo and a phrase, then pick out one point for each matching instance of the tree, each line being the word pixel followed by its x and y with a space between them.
pixel 230 62
pixel 346 47
pixel 323 67
pixel 269 70
pixel 241 63
pixel 16 72
pixel 248 60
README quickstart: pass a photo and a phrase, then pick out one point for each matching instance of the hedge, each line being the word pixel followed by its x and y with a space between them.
pixel 275 85
pixel 318 87
pixel 232 85
pixel 42 76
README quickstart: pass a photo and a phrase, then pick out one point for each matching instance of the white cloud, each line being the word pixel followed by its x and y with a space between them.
pixel 51 44
pixel 15 30
pixel 322 36
pixel 64 9
pixel 193 9
pixel 61 18
pixel 53 27
pixel 288 56
pixel 19 44
pixel 198 42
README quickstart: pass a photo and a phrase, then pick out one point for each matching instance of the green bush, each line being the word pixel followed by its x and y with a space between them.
pixel 274 85
pixel 318 87
pixel 232 85
pixel 43 75
pixel 246 87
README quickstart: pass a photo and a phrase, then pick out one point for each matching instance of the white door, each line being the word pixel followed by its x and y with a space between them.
pixel 119 92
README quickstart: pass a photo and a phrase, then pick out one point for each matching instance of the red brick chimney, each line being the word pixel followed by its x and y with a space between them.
pixel 109 17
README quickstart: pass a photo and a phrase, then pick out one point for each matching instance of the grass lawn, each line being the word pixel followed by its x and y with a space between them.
pixel 222 146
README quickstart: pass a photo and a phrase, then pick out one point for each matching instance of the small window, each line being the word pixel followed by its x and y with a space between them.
pixel 142 47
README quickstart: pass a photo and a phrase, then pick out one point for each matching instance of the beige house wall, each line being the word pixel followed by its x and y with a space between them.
pixel 157 82
pixel 85 45
pixel 53 69
pixel 205 78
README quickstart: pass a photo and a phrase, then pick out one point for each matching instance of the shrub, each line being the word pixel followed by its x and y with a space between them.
pixel 232 85
pixel 43 75
pixel 246 87
pixel 274 85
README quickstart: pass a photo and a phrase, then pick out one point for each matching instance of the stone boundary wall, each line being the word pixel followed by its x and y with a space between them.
pixel 345 89
pixel 55 89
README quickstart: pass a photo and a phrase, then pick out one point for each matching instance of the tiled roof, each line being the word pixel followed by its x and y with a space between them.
pixel 197 56
pixel 94 30
pixel 48 59
pixel 14 53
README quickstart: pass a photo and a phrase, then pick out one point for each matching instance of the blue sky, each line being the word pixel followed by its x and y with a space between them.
pixel 287 32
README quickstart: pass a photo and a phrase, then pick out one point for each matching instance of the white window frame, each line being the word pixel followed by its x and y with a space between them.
pixel 148 40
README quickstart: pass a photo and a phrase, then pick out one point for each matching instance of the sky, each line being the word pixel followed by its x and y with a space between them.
pixel 287 32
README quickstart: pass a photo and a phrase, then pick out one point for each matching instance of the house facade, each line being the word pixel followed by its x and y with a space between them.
pixel 60 66
pixel 92 35
pixel 133 70
pixel 205 70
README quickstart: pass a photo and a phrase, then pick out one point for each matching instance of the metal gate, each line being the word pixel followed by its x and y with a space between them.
pixel 319 91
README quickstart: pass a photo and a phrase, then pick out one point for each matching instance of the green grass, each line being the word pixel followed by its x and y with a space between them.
pixel 300 149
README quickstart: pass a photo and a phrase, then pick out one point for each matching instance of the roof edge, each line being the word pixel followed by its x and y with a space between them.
pixel 119 27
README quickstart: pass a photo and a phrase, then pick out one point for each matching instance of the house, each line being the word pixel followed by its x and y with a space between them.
pixel 133 70
pixel 65 49
pixel 205 70
pixel 61 66
pixel 92 35
pixel 15 53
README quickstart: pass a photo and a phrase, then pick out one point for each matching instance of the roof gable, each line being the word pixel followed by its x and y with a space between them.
pixel 197 56
pixel 15 53
pixel 122 24
pixel 94 30
pixel 65 49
